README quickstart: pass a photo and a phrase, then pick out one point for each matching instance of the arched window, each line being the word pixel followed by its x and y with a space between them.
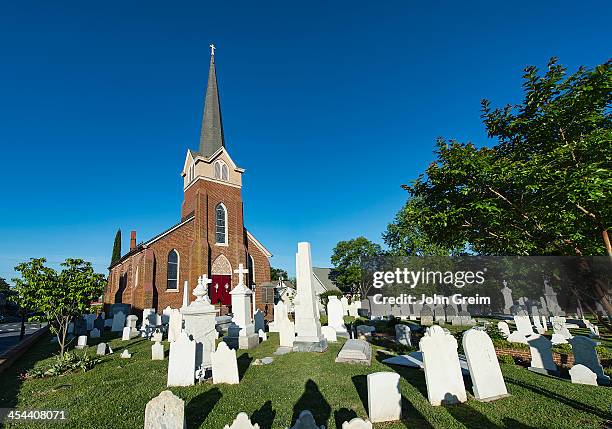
pixel 221 171
pixel 220 224
pixel 191 172
pixel 224 173
pixel 173 269
pixel 217 170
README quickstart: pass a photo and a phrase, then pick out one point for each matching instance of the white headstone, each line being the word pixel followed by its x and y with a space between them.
pixel 158 335
pixel 181 363
pixel 175 324
pixel 125 354
pixel 95 333
pixel 307 325
pixel 354 308
pixel 355 351
pixel 131 321
pixel 335 315
pixel 242 421
pixel 540 348
pixel 81 342
pixel 118 322
pixel 185 294
pixel 101 349
pixel 503 328
pixel 345 305
pixel 384 397
pixel 165 411
pixel 224 365
pixel 487 379
pixel 157 351
pixel 329 333
pixel 262 335
pixel 442 370
pixel 523 325
pixel 580 374
pixel 357 423
pixel 129 333
pixel 241 332
pixel 507 293
pixel 286 328
pixel 403 334
pixel 306 421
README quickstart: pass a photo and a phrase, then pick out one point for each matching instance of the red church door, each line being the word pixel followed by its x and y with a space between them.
pixel 220 288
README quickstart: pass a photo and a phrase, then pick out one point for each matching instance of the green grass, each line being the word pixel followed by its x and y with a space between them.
pixel 115 392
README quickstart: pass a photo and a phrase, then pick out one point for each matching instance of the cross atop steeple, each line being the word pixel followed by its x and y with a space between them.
pixel 212 49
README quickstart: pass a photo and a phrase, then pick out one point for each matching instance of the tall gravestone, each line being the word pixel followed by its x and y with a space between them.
pixel 175 324
pixel 585 354
pixel 345 305
pixel 182 361
pixel 307 326
pixel 441 365
pixel 241 333
pixel 118 322
pixel 540 348
pixel 335 316
pixel 199 317
pixel 384 397
pixel 487 379
pixel 165 411
pixel 224 365
pixel 507 294
pixel 426 315
pixel 503 328
pixel 286 328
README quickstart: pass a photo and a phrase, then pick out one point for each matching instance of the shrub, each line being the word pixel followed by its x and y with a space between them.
pixel 494 333
pixel 506 359
pixel 604 352
pixel 562 348
pixel 324 297
pixel 70 362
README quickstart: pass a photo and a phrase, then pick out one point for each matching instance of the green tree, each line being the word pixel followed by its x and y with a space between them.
pixel 347 259
pixel 116 248
pixel 544 189
pixel 5 288
pixel 277 273
pixel 59 296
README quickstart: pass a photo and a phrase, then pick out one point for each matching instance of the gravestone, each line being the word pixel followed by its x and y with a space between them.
pixel 487 379
pixel 101 349
pixel 540 348
pixel 81 342
pixel 585 354
pixel 165 411
pixel 199 318
pixel 503 328
pixel 345 305
pixel 108 323
pixel 538 325
pixel 306 421
pixel 158 335
pixel 120 307
pixel 125 354
pixel 99 323
pixel 262 335
pixel 182 361
pixel 523 325
pixel 307 326
pixel 175 324
pixel 365 330
pixel 118 322
pixel 131 321
pixel 426 316
pixel 329 333
pixel 335 316
pixel 242 421
pixel 453 316
pixel 129 333
pixel 165 316
pixel 224 365
pixel 581 374
pixel 95 333
pixel 439 313
pixel 560 332
pixel 357 423
pixel 89 320
pixel 384 397
pixel 157 351
pixel 507 294
pixel 403 334
pixel 241 333
pixel 441 365
pixel 258 320
pixel 355 351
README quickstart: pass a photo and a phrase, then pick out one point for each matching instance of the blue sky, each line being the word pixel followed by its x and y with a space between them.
pixel 329 106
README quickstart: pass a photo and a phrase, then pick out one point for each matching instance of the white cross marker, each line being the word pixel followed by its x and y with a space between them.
pixel 241 271
pixel 212 49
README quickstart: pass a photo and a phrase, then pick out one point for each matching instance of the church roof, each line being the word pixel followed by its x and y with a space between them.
pixel 211 134
pixel 323 276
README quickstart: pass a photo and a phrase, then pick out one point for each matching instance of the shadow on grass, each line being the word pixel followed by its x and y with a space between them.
pixel 264 416
pixel 244 361
pixel 198 409
pixel 470 417
pixel 414 376
pixel 312 399
pixel 343 415
pixel 552 395
pixel 10 380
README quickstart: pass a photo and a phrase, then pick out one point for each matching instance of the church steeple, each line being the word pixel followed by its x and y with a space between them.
pixel 211 135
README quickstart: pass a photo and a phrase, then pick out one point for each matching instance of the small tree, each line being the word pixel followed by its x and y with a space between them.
pixel 59 296
pixel 116 248
pixel 277 273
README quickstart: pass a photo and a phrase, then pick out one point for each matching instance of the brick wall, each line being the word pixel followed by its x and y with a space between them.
pixel 562 360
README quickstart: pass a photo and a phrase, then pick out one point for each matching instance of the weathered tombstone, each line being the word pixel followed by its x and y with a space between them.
pixel 507 294
pixel 182 361
pixel 426 316
pixel 165 316
pixel 581 374
pixel 175 324
pixel 307 326
pixel 439 313
pixel 131 321
pixel 306 421
pixel 442 370
pixel 286 328
pixel 335 316
pixel 120 307
pixel 540 348
pixel 329 333
pixel 262 335
pixel 487 379
pixel 128 333
pixel 89 320
pixel 523 325
pixel 118 322
pixel 357 423
pixel 157 351
pixel 81 342
pixel 165 411
pixel 99 323
pixel 560 332
pixel 258 319
pixel 403 335
pixel 452 315
pixel 355 351
pixel 95 333
pixel 538 325
pixel 224 365
pixel 242 421
pixel 158 335
pixel 585 354
pixel 241 333
pixel 80 327
pixel 101 349
pixel 503 328
pixel 199 317
pixel 108 323
pixel 365 330
pixel 125 354
pixel 384 397
pixel 345 305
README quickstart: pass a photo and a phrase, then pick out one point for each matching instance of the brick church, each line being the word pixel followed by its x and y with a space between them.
pixel 209 239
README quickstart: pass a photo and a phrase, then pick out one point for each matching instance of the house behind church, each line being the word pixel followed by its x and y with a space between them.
pixel 210 237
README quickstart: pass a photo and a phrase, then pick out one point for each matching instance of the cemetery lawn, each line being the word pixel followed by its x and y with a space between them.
pixel 114 393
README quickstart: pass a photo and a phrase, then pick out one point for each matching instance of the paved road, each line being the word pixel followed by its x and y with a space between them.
pixel 9 333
